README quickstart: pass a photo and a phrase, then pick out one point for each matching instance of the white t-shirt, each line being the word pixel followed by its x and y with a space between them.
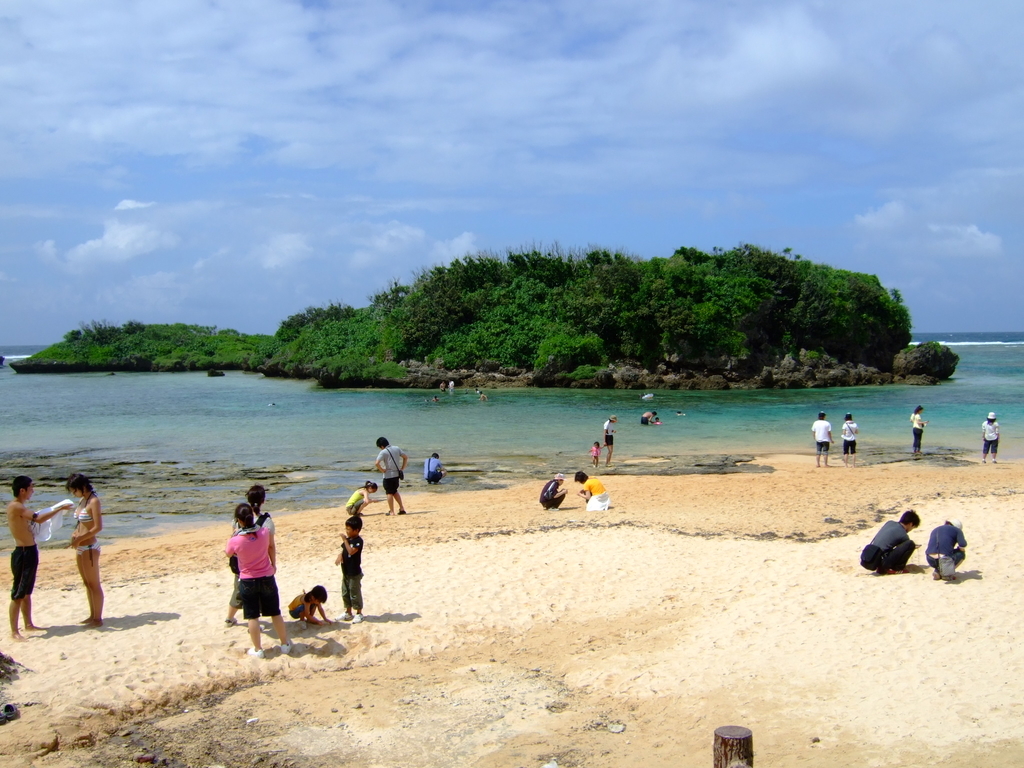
pixel 822 430
pixel 608 427
pixel 991 429
pixel 850 430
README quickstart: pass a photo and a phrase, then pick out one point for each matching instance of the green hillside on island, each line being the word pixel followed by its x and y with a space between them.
pixel 564 316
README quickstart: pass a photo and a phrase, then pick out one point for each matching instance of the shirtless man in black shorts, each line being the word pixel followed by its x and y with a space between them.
pixel 25 555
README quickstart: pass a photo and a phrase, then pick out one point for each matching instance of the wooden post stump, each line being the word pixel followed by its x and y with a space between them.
pixel 734 747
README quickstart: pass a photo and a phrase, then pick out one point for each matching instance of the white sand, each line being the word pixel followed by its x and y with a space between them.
pixel 512 648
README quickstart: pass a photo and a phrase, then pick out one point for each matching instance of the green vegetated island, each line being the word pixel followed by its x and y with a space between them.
pixel 740 318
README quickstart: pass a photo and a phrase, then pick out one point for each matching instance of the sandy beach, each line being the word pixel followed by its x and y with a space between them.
pixel 501 634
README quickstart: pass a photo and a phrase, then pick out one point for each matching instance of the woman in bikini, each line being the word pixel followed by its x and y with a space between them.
pixel 89 518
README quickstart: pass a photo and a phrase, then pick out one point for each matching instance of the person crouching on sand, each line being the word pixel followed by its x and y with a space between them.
pixel 594 492
pixel 891 548
pixel 945 550
pixel 305 606
pixel 358 500
pixel 553 494
pixel 257 587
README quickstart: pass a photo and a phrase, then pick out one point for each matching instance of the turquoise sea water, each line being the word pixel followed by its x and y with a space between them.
pixel 329 434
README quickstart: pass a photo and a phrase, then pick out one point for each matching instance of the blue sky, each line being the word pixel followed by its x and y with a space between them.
pixel 231 163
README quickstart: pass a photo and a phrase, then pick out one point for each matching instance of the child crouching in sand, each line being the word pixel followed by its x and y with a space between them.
pixel 350 560
pixel 305 606
pixel 361 498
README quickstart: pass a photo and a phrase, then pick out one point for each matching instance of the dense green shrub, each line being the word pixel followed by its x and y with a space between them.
pixel 558 311
pixel 136 345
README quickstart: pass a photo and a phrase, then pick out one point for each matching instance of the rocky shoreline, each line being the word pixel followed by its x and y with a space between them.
pixel 925 364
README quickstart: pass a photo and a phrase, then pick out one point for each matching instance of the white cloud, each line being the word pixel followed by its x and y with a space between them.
pixel 159 292
pixel 965 240
pixel 47 251
pixel 120 242
pixel 446 250
pixel 282 250
pixel 128 205
pixel 887 217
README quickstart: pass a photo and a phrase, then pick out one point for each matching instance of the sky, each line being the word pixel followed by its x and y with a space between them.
pixel 230 163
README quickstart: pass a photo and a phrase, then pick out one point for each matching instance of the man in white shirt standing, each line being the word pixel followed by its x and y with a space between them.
pixel 822 431
pixel 989 438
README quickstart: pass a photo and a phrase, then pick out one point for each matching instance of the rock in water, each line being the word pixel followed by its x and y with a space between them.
pixel 928 359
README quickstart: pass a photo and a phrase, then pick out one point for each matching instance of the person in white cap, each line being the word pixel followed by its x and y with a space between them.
pixel 553 494
pixel 989 437
pixel 945 550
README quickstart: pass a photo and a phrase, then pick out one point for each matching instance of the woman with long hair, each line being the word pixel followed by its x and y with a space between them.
pixel 89 522
pixel 253 545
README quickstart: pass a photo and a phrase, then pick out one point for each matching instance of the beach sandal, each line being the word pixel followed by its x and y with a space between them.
pixel 231 622
pixel 402 512
pixel 10 712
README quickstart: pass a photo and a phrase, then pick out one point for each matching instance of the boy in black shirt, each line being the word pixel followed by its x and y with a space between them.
pixel 350 559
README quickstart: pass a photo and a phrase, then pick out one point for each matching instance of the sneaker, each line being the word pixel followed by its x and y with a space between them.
pixel 357 619
pixel 344 617
pixel 257 654
pixel 286 649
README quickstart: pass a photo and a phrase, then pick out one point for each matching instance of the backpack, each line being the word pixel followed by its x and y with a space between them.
pixel 871 557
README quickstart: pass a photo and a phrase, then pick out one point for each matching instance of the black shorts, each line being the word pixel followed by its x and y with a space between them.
pixel 259 597
pixel 849 446
pixel 390 485
pixel 609 439
pixel 24 564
